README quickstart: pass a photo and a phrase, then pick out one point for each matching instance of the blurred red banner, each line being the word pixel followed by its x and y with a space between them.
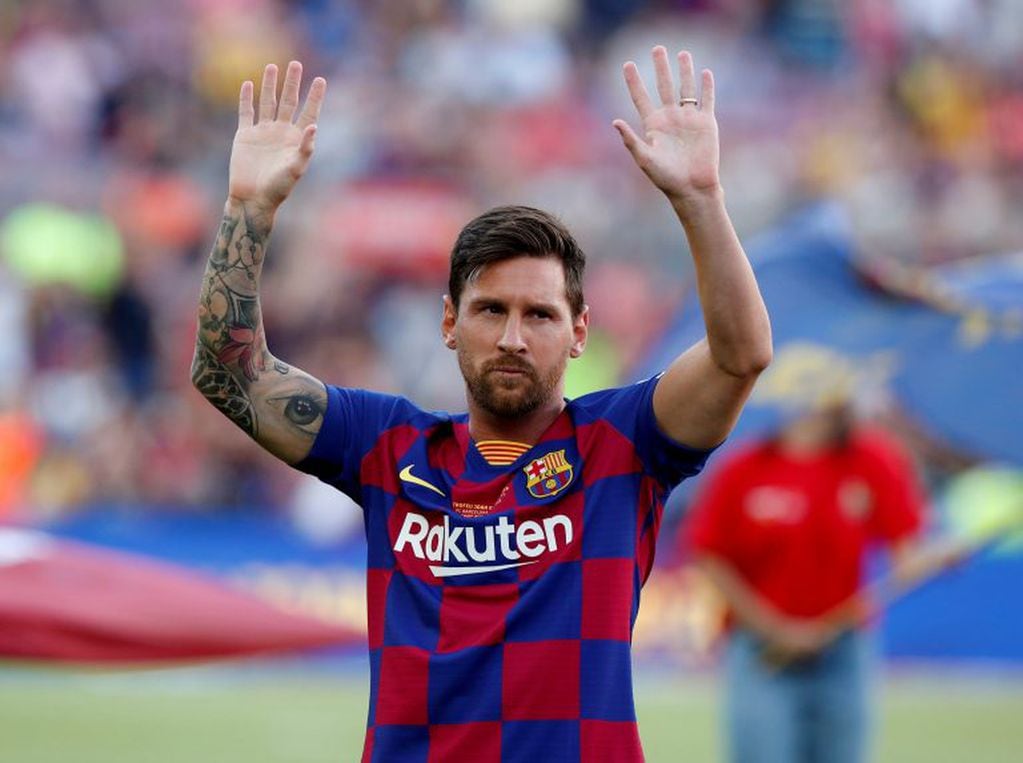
pixel 71 602
pixel 403 227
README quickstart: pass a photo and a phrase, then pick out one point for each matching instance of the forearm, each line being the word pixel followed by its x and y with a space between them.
pixel 279 406
pixel 749 608
pixel 738 327
pixel 231 352
pixel 916 560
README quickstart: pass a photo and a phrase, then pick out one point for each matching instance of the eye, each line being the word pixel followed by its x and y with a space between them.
pixel 302 410
pixel 542 314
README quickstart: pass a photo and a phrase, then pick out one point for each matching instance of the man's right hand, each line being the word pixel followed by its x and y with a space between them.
pixel 272 149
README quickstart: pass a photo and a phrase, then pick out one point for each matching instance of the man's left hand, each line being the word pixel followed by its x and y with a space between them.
pixel 679 148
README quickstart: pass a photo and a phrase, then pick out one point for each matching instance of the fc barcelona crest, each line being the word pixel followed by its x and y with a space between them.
pixel 548 475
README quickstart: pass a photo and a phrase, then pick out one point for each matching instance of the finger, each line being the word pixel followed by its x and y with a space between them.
pixel 632 141
pixel 707 100
pixel 637 90
pixel 245 112
pixel 665 85
pixel 687 80
pixel 268 94
pixel 313 102
pixel 289 94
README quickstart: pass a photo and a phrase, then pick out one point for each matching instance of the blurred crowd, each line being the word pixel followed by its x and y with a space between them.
pixel 116 119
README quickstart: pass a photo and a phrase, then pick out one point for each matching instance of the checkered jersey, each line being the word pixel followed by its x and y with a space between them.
pixel 502 598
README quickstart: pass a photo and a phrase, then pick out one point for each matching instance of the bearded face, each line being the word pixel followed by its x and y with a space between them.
pixel 514 332
pixel 510 387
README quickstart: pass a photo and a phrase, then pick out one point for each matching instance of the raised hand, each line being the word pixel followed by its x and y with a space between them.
pixel 272 150
pixel 679 148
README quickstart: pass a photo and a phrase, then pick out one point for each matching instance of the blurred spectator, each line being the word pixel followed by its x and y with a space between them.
pixel 115 118
pixel 783 529
pixel 21 444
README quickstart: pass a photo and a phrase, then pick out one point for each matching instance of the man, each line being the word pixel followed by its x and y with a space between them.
pixel 507 545
pixel 782 528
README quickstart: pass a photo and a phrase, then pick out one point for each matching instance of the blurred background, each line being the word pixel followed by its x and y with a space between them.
pixel 872 156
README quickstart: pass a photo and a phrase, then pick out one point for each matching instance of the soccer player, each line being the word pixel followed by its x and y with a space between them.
pixel 508 544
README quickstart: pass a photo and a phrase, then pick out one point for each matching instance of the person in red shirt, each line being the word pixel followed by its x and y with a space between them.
pixel 782 528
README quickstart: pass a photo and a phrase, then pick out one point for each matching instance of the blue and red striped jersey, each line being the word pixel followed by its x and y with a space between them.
pixel 502 598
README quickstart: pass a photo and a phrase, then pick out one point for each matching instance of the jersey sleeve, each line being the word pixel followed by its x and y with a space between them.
pixel 630 410
pixel 352 425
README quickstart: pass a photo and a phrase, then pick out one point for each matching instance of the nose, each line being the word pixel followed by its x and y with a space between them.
pixel 512 340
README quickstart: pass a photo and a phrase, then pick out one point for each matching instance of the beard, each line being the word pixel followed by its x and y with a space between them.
pixel 509 397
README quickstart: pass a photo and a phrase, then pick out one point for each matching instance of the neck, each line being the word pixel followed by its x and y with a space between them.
pixel 802 448
pixel 484 425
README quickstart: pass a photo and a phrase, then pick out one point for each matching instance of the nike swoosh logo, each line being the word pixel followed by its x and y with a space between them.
pixel 406 475
pixel 450 572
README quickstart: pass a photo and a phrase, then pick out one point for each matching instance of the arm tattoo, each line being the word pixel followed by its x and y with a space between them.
pixel 231 355
pixel 230 324
pixel 217 385
pixel 302 407
pixel 231 349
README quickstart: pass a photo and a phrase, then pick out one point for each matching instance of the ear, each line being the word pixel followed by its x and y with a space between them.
pixel 447 323
pixel 580 330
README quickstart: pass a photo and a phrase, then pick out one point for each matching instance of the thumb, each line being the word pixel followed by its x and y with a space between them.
pixel 632 141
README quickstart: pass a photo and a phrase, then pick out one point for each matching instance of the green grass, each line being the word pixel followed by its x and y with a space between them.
pixel 933 722
pixel 255 716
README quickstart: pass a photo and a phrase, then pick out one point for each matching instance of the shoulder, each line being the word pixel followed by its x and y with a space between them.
pixel 876 445
pixel 361 417
pixel 369 398
pixel 606 402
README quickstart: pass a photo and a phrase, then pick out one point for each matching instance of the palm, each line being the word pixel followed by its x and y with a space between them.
pixel 683 148
pixel 678 149
pixel 266 161
pixel 270 151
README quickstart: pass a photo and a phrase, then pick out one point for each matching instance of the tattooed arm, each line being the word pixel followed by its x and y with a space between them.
pixel 278 406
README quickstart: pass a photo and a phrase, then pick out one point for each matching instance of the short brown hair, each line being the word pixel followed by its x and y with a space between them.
pixel 515 231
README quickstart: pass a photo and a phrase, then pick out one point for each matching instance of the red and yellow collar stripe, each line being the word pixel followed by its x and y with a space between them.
pixel 501 452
